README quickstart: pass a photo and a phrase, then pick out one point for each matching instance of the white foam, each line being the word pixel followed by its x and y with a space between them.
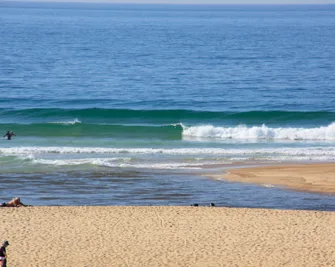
pixel 113 162
pixel 75 121
pixel 307 153
pixel 268 185
pixel 321 151
pixel 243 132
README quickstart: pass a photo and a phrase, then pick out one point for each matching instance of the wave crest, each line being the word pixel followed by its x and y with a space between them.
pixel 261 132
pixel 71 122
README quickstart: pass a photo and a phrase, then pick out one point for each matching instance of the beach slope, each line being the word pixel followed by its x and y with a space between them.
pixel 167 236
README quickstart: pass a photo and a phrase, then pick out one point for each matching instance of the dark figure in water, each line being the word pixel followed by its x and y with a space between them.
pixel 9 135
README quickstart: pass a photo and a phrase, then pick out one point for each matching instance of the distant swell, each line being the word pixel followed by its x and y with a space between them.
pixel 124 116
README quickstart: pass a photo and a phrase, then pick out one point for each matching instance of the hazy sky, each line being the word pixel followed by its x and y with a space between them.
pixel 196 1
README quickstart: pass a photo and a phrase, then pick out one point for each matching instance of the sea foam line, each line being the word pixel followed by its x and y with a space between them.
pixel 320 151
pixel 114 164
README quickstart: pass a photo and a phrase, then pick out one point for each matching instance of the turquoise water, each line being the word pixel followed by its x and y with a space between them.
pixel 134 105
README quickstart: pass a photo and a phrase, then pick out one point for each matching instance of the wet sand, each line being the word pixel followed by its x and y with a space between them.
pixel 167 236
pixel 319 178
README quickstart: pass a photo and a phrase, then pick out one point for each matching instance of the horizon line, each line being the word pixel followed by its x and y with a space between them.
pixel 166 3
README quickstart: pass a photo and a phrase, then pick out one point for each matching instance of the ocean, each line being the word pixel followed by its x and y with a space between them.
pixel 140 104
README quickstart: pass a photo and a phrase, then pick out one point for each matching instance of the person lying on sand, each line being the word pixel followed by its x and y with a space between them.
pixel 15 202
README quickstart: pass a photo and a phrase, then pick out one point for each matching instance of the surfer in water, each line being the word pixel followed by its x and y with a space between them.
pixel 9 135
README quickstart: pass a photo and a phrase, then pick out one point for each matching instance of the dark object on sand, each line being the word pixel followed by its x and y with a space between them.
pixel 195 205
pixel 3 254
pixel 212 204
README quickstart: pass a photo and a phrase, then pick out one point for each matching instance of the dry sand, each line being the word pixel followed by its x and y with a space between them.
pixel 304 177
pixel 167 236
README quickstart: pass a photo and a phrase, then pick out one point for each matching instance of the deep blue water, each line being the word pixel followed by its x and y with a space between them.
pixel 129 104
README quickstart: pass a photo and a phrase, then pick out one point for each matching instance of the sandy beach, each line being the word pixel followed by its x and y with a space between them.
pixel 167 236
pixel 319 178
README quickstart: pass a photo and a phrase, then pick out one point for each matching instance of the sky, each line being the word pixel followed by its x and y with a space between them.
pixel 194 1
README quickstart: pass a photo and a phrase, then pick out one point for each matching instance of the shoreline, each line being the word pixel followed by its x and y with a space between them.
pixel 167 236
pixel 308 177
pixel 179 235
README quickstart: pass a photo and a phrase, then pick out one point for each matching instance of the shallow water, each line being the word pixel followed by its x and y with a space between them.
pixel 147 187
